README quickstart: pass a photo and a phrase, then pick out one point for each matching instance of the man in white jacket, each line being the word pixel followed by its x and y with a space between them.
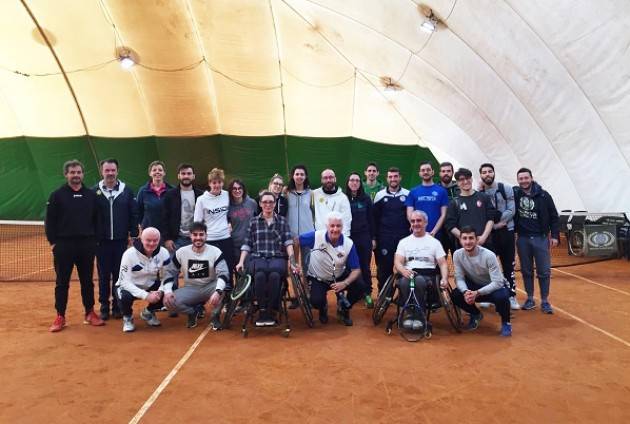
pixel 143 276
pixel 328 198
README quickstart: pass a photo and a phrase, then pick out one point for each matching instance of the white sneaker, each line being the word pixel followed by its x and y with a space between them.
pixel 408 324
pixel 485 305
pixel 128 326
pixel 150 318
pixel 514 304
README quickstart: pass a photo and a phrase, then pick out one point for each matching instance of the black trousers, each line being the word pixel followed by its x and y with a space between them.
pixel 354 292
pixel 108 256
pixel 447 240
pixel 384 254
pixel 500 298
pixel 68 253
pixel 504 245
pixel 126 299
pixel 363 243
pixel 226 246
pixel 267 274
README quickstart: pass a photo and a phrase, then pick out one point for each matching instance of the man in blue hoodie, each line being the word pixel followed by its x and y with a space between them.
pixel 536 216
pixel 119 221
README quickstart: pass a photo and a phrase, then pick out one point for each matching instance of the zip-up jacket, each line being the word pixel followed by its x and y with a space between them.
pixel 118 211
pixel 138 272
pixel 390 214
pixel 71 214
pixel 543 207
pixel 362 215
pixel 300 214
pixel 150 207
pixel 324 203
pixel 172 211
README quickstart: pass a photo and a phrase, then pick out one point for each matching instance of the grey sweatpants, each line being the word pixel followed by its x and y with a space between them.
pixel 187 297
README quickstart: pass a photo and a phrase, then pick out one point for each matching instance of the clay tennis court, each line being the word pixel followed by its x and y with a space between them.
pixel 572 367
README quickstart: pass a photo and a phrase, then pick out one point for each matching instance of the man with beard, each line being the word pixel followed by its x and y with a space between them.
pixel 502 235
pixel 450 185
pixel 71 225
pixel 430 198
pixel 179 208
pixel 177 213
pixel 119 221
pixel 471 208
pixel 331 198
pixel 390 223
pixel 205 275
pixel 536 216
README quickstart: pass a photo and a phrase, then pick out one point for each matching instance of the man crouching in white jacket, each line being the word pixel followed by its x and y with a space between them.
pixel 143 276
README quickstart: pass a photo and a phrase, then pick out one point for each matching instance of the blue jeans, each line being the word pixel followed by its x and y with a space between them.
pixel 530 249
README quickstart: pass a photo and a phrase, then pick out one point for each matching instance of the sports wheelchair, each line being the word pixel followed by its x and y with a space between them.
pixel 411 311
pixel 242 298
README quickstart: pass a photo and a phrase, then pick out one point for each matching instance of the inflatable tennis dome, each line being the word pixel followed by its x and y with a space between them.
pixel 255 86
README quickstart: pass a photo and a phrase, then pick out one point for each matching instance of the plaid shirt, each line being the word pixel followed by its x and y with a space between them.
pixel 267 241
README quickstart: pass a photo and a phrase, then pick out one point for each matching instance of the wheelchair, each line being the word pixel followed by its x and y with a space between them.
pixel 389 293
pixel 299 289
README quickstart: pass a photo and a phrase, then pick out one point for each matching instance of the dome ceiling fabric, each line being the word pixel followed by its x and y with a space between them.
pixel 542 84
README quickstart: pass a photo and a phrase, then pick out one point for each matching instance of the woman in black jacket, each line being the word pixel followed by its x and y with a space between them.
pixel 362 229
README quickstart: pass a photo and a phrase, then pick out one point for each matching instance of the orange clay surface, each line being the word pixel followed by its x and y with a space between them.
pixel 554 369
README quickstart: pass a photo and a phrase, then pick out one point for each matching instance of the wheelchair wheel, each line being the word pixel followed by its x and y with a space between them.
pixel 236 298
pixel 305 304
pixel 384 299
pixel 453 313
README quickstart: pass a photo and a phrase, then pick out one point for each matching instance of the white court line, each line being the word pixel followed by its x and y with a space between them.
pixel 592 282
pixel 145 407
pixel 588 324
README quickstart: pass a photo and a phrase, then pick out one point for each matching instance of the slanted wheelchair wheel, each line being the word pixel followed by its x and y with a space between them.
pixel 236 298
pixel 384 299
pixel 453 313
pixel 302 298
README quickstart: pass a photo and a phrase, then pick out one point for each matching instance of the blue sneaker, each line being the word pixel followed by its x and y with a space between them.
pixel 546 308
pixel 528 305
pixel 473 324
pixel 506 329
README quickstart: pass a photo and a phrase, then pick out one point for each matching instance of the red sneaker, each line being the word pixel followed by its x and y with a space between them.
pixel 58 324
pixel 92 319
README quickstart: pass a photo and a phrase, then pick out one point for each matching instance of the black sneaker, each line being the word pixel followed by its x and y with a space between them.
pixel 172 314
pixel 117 314
pixel 343 315
pixel 323 315
pixel 105 314
pixel 216 323
pixel 262 319
pixel 192 320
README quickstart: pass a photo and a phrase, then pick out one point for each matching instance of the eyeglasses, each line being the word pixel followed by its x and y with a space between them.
pixel 237 188
pixel 415 220
pixel 267 202
pixel 277 184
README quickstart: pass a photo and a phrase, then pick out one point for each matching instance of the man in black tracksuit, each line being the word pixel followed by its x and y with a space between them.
pixel 451 187
pixel 119 221
pixel 390 224
pixel 71 225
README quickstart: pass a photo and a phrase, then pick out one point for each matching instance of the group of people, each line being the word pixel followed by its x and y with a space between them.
pixel 143 244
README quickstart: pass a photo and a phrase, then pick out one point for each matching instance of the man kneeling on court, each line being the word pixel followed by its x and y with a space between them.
pixel 479 279
pixel 333 265
pixel 143 276
pixel 416 257
pixel 269 242
pixel 205 274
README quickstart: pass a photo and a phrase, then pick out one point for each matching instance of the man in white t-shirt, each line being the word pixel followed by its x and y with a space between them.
pixel 417 257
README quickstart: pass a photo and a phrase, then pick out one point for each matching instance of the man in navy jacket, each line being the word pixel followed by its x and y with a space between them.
pixel 119 221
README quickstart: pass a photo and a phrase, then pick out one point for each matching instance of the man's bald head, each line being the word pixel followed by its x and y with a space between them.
pixel 150 238
pixel 329 180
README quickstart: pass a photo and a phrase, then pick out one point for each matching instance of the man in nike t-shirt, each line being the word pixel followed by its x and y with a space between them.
pixel 205 273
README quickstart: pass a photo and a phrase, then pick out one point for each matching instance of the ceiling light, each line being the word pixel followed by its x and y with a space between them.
pixel 126 62
pixel 429 25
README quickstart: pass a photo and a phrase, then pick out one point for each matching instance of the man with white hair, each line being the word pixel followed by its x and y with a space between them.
pixel 334 265
pixel 328 198
pixel 143 276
